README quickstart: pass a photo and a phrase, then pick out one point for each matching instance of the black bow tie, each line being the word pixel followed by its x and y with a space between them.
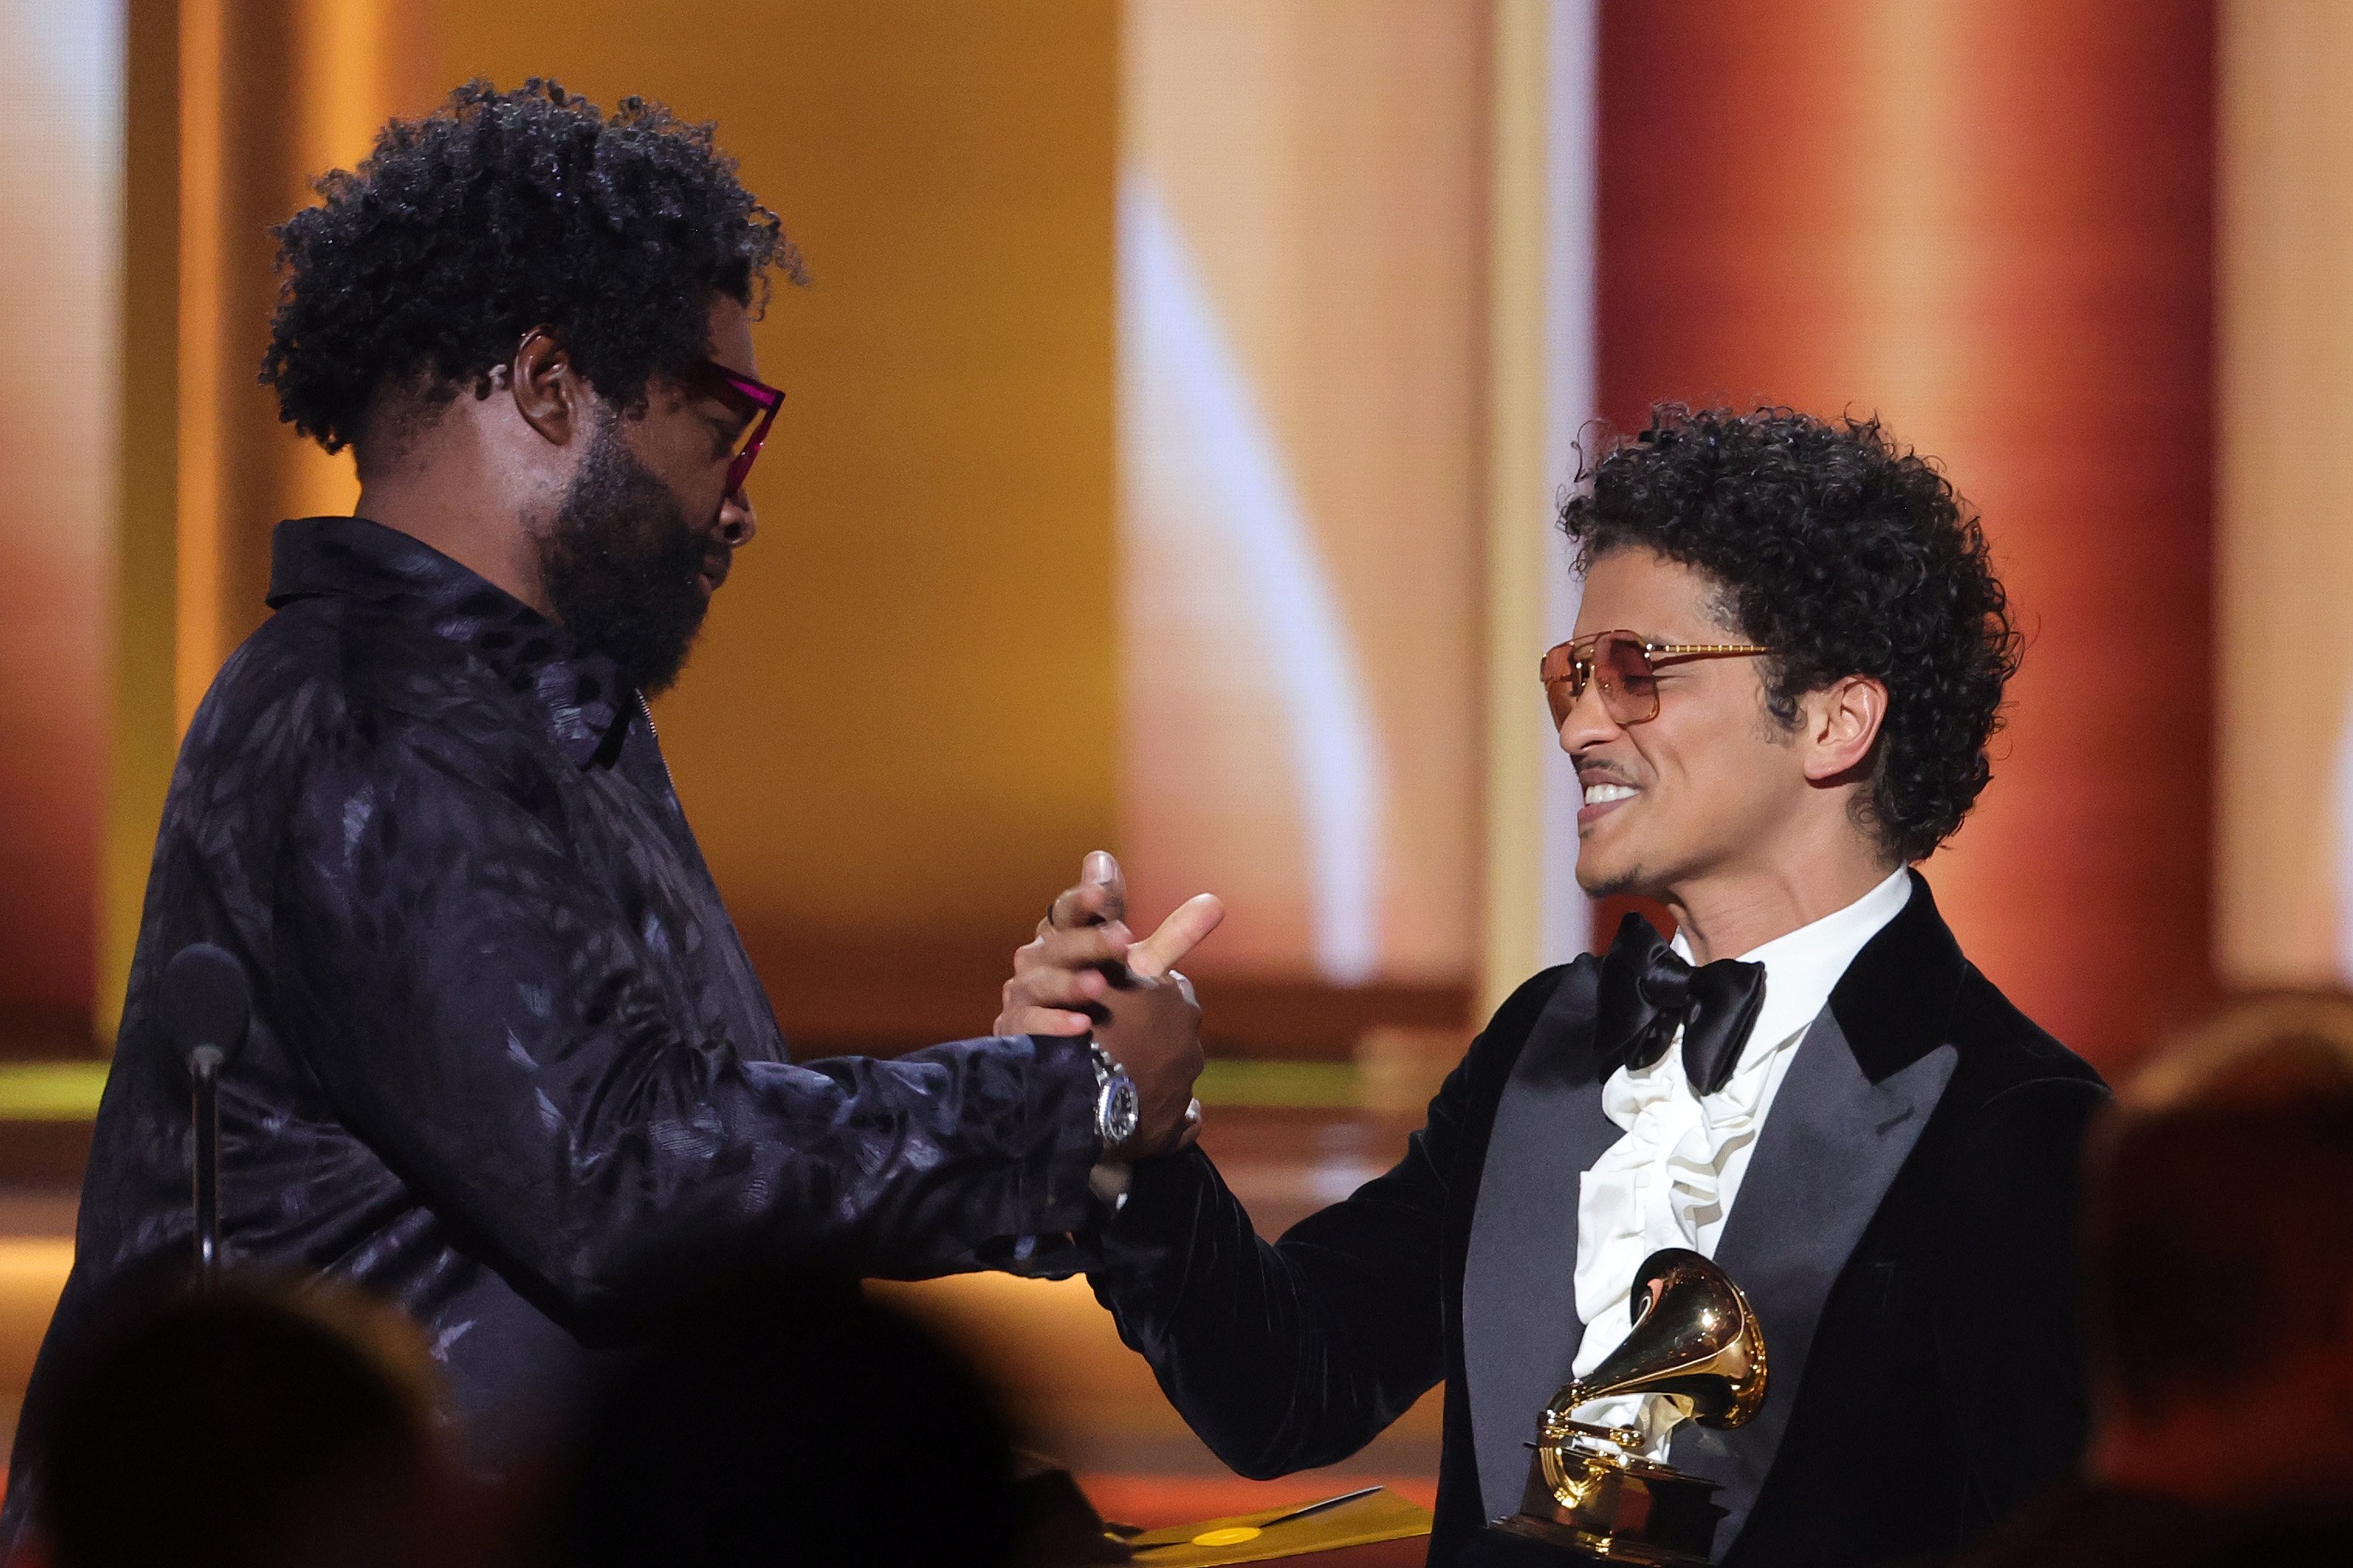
pixel 1648 988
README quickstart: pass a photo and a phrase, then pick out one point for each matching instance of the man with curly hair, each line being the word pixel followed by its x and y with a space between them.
pixel 1791 654
pixel 510 1065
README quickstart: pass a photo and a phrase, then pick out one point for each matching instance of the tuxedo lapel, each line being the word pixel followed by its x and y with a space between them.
pixel 1865 1079
pixel 1520 1328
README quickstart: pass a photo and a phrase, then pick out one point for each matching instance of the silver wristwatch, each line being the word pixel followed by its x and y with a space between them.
pixel 1117 1110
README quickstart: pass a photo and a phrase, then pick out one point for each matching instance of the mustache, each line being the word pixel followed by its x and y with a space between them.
pixel 1600 769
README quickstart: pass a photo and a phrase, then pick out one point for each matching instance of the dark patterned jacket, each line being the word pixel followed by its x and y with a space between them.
pixel 510 1065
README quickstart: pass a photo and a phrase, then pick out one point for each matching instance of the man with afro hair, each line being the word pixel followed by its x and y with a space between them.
pixel 1790 653
pixel 509 1063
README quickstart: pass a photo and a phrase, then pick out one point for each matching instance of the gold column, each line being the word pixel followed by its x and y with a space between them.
pixel 358 63
pixel 1516 745
pixel 198 644
pixel 142 731
pixel 235 107
pixel 272 93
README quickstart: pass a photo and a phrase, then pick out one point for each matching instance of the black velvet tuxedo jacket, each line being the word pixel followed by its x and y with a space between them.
pixel 1905 1232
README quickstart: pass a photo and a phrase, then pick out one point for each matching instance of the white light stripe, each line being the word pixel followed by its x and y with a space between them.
pixel 1194 445
pixel 1573 108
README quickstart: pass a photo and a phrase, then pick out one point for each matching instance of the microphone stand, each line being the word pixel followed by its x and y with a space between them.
pixel 203 1067
pixel 206 1006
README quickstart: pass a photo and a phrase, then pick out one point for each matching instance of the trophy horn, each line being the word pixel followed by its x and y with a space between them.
pixel 1694 1338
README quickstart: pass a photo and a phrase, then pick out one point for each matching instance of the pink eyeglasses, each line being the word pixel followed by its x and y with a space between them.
pixel 755 399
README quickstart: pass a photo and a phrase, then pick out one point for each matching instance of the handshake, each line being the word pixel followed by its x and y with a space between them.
pixel 1085 973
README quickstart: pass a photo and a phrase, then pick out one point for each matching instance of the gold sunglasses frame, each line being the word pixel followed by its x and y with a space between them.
pixel 1561 665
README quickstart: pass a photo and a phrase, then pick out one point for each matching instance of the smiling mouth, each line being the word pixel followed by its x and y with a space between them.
pixel 1602 796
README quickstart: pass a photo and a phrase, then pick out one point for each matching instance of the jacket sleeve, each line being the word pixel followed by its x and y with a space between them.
pixel 493 1030
pixel 1287 1356
pixel 2007 1321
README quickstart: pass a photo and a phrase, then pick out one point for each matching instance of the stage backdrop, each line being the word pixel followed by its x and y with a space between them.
pixel 1302 314
pixel 60 186
pixel 918 703
pixel 1988 221
pixel 2284 755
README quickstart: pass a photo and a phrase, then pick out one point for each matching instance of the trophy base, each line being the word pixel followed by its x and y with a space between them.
pixel 1630 1511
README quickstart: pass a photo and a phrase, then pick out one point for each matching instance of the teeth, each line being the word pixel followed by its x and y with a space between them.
pixel 1595 794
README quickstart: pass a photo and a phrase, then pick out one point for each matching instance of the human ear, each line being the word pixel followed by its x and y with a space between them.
pixel 1842 722
pixel 548 392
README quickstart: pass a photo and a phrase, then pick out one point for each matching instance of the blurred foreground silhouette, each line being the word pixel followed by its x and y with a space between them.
pixel 254 1426
pixel 2219 1288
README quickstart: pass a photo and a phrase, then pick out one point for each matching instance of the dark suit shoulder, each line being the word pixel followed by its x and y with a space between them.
pixel 2011 1120
pixel 1500 1043
pixel 1464 1105
pixel 2001 1046
pixel 1519 1011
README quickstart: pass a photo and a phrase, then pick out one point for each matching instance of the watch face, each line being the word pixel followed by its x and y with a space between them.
pixel 1117 1110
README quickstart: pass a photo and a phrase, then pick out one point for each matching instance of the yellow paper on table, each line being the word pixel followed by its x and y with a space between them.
pixel 1378 1515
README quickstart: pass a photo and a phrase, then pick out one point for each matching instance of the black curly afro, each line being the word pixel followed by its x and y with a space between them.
pixel 498 213
pixel 1849 555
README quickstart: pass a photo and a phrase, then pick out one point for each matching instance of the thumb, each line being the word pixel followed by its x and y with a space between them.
pixel 1191 921
pixel 1100 870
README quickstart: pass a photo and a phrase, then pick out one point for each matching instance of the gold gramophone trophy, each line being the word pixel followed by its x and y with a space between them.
pixel 1590 1490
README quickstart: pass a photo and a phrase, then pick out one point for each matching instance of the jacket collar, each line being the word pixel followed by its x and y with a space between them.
pixel 1894 1004
pixel 587 702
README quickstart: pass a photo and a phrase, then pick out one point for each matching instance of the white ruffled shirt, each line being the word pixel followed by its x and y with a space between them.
pixel 1671 1180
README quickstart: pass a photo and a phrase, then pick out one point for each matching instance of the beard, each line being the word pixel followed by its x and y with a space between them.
pixel 619 562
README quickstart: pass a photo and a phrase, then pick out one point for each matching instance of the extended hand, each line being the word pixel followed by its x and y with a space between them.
pixel 1084 972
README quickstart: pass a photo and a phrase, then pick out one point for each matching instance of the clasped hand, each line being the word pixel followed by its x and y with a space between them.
pixel 1085 971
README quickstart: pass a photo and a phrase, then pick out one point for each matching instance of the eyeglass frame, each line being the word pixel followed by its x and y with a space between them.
pixel 1565 655
pixel 715 380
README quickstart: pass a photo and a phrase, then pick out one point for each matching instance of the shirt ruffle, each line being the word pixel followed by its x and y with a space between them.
pixel 1672 1179
pixel 1658 1185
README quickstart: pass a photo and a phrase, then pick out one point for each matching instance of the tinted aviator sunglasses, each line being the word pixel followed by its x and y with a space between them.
pixel 1622 664
pixel 755 400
